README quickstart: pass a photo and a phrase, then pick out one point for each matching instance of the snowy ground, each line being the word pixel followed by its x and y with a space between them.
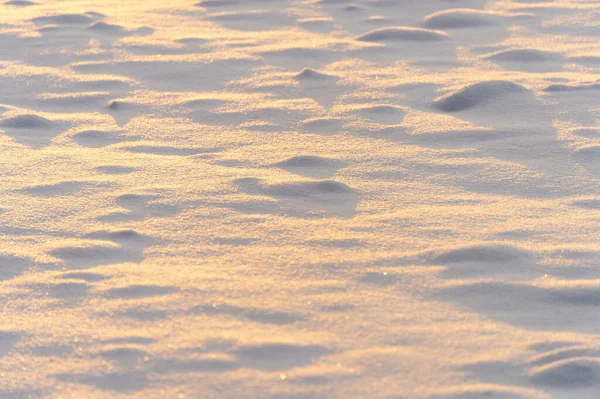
pixel 271 199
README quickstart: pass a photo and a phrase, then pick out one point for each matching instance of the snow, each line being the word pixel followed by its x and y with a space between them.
pixel 285 199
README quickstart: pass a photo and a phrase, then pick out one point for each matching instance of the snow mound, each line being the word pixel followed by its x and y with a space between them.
pixel 64 19
pixel 311 74
pixel 401 33
pixel 26 122
pixel 574 87
pixel 568 373
pixel 525 55
pixel 105 27
pixel 20 3
pixel 304 161
pixel 476 94
pixel 459 19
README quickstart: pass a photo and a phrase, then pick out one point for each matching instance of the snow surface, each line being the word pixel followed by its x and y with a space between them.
pixel 287 199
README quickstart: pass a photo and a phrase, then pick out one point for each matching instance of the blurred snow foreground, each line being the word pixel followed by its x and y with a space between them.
pixel 286 199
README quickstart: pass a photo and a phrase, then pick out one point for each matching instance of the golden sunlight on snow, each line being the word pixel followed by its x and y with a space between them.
pixel 286 199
